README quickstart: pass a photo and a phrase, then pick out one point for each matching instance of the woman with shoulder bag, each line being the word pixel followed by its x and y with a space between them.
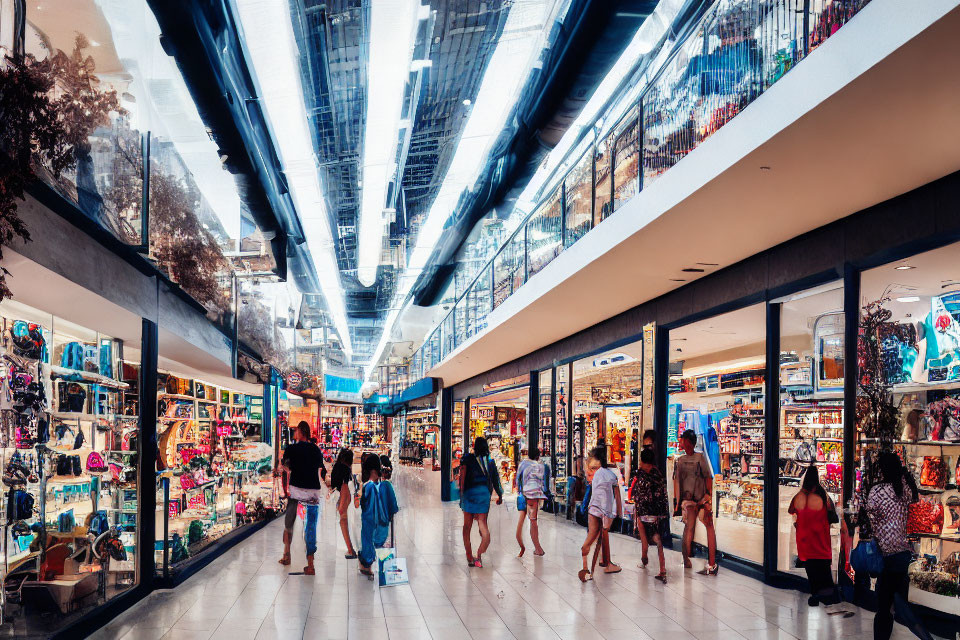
pixel 532 489
pixel 814 513
pixel 478 480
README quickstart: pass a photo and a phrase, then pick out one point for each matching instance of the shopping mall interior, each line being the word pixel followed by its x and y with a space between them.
pixel 562 277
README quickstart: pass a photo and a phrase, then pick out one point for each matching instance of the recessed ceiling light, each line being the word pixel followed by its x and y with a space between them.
pixel 904 267
pixel 908 299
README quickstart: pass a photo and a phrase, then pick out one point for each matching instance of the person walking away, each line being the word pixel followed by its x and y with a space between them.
pixel 815 512
pixel 386 466
pixel 378 504
pixel 887 504
pixel 340 477
pixel 478 480
pixel 605 505
pixel 305 473
pixel 532 481
pixel 649 494
pixel 693 491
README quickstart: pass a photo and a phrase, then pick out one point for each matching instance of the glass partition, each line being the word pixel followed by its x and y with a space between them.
pixel 626 158
pixel 460 321
pixel 545 234
pixel 602 182
pixel 508 269
pixel 578 198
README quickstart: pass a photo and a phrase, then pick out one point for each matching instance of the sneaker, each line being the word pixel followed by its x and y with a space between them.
pixel 709 571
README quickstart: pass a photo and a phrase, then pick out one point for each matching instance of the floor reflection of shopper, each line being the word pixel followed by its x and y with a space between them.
pixel 532 484
pixel 887 504
pixel 814 513
pixel 649 494
pixel 340 478
pixel 304 464
pixel 378 504
pixel 479 478
pixel 605 505
pixel 693 488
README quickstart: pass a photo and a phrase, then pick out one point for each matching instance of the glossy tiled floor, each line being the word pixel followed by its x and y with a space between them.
pixel 246 594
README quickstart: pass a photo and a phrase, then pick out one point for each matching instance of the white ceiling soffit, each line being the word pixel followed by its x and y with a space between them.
pixel 864 118
pixel 271 49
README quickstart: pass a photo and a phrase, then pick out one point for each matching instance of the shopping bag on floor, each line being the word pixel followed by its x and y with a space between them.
pixel 391 569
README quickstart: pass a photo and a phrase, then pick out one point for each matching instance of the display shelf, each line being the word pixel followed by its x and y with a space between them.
pixel 948 604
pixel 913 387
pixel 177 396
pixel 74 415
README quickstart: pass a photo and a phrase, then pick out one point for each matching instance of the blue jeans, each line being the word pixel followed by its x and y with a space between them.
pixel 309 523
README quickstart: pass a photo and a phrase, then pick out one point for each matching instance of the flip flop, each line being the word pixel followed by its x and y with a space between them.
pixel 285 560
pixel 350 556
pixel 309 571
pixel 619 569
pixel 661 577
pixel 540 554
pixel 584 575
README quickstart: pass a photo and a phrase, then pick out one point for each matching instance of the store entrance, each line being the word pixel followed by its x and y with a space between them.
pixel 501 417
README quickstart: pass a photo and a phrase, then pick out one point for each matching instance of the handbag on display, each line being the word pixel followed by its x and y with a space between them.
pixel 95 463
pixel 925 516
pixel 932 472
pixel 19 505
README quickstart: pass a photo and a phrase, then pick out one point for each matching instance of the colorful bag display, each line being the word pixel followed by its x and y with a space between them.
pixel 925 516
pixel 933 472
pixel 95 463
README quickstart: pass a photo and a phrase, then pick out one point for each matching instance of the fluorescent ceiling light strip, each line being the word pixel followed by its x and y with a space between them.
pixel 502 81
pixel 393 25
pixel 267 34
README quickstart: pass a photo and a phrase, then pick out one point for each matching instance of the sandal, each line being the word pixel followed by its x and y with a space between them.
pixel 309 571
pixel 285 560
pixel 661 577
pixel 617 570
pixel 350 556
pixel 478 564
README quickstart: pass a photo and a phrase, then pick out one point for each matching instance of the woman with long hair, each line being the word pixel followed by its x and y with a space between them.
pixel 814 511
pixel 532 481
pixel 887 504
pixel 478 480
pixel 340 478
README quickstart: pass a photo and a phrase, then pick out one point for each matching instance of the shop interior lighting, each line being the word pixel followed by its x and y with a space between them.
pixel 393 26
pixel 267 34
pixel 502 81
pixel 909 299
pixel 904 267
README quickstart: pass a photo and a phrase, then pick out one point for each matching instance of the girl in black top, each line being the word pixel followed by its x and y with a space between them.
pixel 340 480
pixel 478 480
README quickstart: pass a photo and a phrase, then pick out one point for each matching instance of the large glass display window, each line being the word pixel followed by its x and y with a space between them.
pixel 717 390
pixel 811 406
pixel 909 369
pixel 69 442
pixel 602 182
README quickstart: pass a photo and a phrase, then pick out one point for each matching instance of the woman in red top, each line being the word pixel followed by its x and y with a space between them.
pixel 814 511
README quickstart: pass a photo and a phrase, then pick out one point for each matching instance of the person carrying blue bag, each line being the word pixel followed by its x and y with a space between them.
pixel 378 504
pixel 533 488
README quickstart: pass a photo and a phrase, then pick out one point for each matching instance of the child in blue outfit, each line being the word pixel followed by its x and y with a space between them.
pixel 378 504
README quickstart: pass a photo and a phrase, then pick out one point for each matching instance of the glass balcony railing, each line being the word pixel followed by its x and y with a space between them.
pixel 737 50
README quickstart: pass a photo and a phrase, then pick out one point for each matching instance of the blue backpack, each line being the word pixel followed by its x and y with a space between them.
pixel 99 523
pixel 72 356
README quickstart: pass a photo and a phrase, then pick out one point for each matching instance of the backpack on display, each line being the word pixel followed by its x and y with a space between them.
pixel 95 463
pixel 28 340
pixel 91 359
pixel 72 356
pixel 19 505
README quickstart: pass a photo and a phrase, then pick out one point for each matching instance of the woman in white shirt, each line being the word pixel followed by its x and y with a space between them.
pixel 532 487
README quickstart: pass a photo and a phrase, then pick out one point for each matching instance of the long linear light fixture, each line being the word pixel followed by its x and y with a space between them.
pixel 393 25
pixel 267 34
pixel 508 68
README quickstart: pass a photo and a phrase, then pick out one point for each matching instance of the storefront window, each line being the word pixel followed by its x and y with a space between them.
pixel 811 405
pixel 560 419
pixel 717 390
pixel 910 365
pixel 578 190
pixel 545 234
pixel 625 159
pixel 69 388
pixel 500 415
pixel 546 415
pixel 215 470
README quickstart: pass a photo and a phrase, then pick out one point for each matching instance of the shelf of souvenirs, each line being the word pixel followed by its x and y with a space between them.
pixel 913 387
